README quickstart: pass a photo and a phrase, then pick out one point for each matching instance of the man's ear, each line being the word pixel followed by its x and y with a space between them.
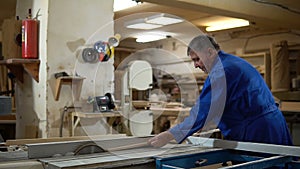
pixel 210 52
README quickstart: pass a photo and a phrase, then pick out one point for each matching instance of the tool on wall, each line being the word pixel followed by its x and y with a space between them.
pixel 115 40
pixel 102 103
pixel 90 55
pixel 102 51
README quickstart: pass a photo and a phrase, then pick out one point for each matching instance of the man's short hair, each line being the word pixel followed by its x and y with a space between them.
pixel 202 42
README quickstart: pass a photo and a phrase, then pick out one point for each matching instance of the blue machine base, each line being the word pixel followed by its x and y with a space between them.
pixel 239 159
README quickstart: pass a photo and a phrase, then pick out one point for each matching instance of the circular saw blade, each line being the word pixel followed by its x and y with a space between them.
pixel 90 55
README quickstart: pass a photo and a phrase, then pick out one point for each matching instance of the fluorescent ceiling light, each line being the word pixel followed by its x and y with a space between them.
pixel 152 22
pixel 145 26
pixel 216 23
pixel 124 4
pixel 227 25
pixel 149 38
pixel 162 19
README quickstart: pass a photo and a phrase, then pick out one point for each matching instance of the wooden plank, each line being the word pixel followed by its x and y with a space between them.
pixel 96 115
pixel 32 69
pixel 10 29
pixel 288 96
pixel 24 164
pixel 15 61
pixel 170 111
pixel 246 146
pixel 75 118
pixel 290 106
pixel 57 89
pixel 44 150
pixel 8 117
pixel 7 121
pixel 22 61
pixel 17 67
pixel 3 79
pixel 60 139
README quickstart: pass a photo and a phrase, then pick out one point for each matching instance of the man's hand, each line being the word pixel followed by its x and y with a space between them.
pixel 161 139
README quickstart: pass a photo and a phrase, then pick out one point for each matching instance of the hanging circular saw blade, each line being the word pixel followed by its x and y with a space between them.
pixel 90 55
pixel 100 46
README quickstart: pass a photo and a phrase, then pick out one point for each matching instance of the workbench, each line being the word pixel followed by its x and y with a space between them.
pixel 175 115
pixel 75 117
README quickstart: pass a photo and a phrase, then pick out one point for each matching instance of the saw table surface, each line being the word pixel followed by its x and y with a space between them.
pixel 122 153
pixel 136 157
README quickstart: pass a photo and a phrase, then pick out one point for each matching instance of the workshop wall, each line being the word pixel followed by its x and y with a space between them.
pixel 66 27
pixel 74 25
pixel 31 95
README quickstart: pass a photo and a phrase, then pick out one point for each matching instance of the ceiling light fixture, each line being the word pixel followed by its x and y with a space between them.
pixel 152 22
pixel 228 25
pixel 216 23
pixel 141 24
pixel 162 19
pixel 152 36
pixel 149 38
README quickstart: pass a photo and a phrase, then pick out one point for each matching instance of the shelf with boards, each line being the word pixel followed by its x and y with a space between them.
pixel 173 82
pixel 17 66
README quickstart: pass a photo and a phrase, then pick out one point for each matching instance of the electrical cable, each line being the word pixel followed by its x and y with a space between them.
pixel 66 109
pixel 62 121
pixel 278 5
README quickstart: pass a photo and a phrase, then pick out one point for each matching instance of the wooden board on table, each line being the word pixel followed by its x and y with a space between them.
pixel 173 105
pixel 59 139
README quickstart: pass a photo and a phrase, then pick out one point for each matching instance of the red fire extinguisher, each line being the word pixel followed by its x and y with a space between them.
pixel 30 37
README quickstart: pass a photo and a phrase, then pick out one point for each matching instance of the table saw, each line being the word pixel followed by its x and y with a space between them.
pixel 133 152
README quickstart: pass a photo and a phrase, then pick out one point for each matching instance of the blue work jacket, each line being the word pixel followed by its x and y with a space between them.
pixel 236 99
